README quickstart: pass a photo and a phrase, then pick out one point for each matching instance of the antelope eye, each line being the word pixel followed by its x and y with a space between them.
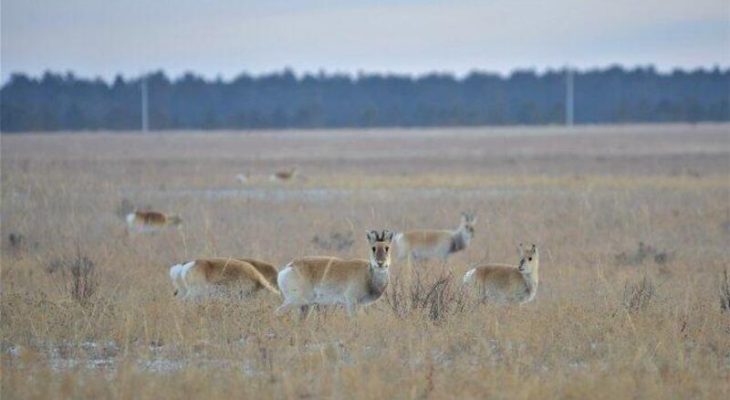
pixel 529 259
pixel 373 249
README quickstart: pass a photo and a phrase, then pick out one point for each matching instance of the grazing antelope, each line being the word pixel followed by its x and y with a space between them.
pixel 150 221
pixel 507 283
pixel 284 175
pixel 267 270
pixel 426 243
pixel 329 280
pixel 211 277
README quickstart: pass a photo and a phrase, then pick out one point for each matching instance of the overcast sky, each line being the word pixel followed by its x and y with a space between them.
pixel 225 37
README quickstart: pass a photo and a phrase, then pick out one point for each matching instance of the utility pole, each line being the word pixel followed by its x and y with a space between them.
pixel 145 115
pixel 569 98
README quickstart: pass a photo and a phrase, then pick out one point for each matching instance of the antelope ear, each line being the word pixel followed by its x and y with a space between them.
pixel 387 235
pixel 521 249
pixel 372 236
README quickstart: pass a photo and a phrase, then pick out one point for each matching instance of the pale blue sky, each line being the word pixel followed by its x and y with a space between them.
pixel 226 37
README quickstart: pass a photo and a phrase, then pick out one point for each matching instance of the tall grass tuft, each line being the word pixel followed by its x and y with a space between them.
pixel 638 296
pixel 725 292
pixel 435 298
pixel 79 276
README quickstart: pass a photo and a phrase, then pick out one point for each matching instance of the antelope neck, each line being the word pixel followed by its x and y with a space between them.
pixel 458 241
pixel 377 283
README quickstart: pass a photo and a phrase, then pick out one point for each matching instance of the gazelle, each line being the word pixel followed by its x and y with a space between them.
pixel 150 221
pixel 427 243
pixel 222 277
pixel 507 283
pixel 329 280
pixel 284 175
pixel 267 270
pixel 244 177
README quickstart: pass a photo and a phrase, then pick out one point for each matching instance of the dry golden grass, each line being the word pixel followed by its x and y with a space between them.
pixel 611 319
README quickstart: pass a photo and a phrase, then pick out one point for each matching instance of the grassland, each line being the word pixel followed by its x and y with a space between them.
pixel 633 223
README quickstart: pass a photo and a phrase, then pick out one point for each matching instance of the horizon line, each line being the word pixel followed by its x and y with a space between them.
pixel 322 72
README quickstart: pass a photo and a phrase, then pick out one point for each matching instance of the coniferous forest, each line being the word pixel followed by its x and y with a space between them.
pixel 64 102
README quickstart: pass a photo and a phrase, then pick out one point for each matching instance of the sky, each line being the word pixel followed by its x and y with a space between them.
pixel 227 37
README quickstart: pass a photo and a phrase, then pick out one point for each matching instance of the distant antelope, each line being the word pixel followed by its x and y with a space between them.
pixel 507 283
pixel 328 280
pixel 284 175
pixel 150 221
pixel 427 243
pixel 244 177
pixel 211 277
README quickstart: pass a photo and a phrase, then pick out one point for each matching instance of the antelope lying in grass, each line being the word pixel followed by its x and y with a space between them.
pixel 426 243
pixel 211 277
pixel 150 221
pixel 284 175
pixel 507 283
pixel 328 280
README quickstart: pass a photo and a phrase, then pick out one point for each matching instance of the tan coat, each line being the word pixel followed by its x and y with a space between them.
pixel 430 243
pixel 502 283
pixel 150 221
pixel 329 280
pixel 221 277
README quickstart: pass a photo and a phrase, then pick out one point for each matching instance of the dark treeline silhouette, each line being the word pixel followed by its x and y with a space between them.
pixel 282 100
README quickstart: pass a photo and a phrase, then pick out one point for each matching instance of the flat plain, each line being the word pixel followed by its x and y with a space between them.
pixel 632 222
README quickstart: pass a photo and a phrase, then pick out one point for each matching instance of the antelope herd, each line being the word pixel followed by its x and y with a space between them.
pixel 353 283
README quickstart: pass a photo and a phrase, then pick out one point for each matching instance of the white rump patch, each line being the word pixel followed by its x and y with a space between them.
pixel 177 274
pixel 175 271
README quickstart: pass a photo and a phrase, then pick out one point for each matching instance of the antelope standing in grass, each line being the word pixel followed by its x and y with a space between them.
pixel 428 243
pixel 284 175
pixel 267 270
pixel 329 280
pixel 211 277
pixel 501 283
pixel 150 221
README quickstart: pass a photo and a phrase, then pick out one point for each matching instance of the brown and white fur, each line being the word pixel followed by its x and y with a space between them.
pixel 426 243
pixel 329 280
pixel 221 277
pixel 501 283
pixel 150 221
pixel 284 175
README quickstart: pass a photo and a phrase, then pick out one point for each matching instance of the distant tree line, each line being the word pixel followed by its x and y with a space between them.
pixel 282 100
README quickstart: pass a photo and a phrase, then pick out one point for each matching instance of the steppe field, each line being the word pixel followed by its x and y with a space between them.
pixel 632 222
